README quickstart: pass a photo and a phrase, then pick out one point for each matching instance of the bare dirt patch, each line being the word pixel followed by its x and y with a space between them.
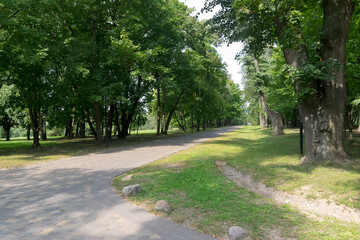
pixel 321 207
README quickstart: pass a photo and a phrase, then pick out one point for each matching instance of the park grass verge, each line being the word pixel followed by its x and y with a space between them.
pixel 19 152
pixel 204 199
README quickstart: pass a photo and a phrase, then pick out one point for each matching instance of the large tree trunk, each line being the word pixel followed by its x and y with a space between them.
pixel 28 129
pixel 262 117
pixel 275 117
pixel 35 127
pixel 323 113
pixel 7 131
pixel 172 113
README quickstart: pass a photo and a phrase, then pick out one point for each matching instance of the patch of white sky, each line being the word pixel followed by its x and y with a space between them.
pixel 228 53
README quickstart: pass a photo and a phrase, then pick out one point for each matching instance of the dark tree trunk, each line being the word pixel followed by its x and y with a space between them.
pixel 97 109
pixel 71 126
pixel 66 130
pixel 163 94
pixel 180 125
pixel 158 120
pixel 7 132
pixel 324 112
pixel 35 127
pixel 28 129
pixel 124 124
pixel 82 129
pixel 77 130
pixel 171 113
pixel 42 131
pixel 116 122
pixel 198 121
pixel 275 117
pixel 204 124
pixel 92 129
pixel 192 121
pixel 126 118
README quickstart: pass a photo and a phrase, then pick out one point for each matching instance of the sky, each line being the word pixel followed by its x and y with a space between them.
pixel 227 53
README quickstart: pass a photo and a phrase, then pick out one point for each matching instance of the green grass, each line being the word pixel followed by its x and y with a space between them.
pixel 19 152
pixel 203 198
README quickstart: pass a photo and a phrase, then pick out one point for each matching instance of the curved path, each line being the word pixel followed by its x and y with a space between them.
pixel 72 198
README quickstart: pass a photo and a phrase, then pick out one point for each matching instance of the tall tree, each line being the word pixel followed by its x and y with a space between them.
pixel 312 37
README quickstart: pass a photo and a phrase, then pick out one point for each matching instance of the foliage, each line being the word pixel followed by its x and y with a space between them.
pixel 101 62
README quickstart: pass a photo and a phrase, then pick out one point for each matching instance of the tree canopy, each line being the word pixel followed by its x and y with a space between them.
pixel 101 66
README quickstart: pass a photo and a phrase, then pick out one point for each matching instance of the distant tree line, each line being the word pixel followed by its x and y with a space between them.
pixel 105 65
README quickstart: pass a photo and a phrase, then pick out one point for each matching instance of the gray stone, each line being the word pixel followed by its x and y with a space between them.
pixel 132 190
pixel 127 178
pixel 163 206
pixel 236 232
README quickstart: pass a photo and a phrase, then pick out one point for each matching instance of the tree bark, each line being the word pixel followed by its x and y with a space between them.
pixel 262 118
pixel 116 122
pixel 192 120
pixel 171 113
pixel 28 129
pixel 7 132
pixel 276 120
pixel 77 129
pixel 158 120
pixel 163 123
pixel 275 117
pixel 198 121
pixel 180 125
pixel 97 109
pixel 35 127
pixel 93 131
pixel 82 128
pixel 323 113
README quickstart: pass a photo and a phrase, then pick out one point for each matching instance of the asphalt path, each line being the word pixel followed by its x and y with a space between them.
pixel 72 198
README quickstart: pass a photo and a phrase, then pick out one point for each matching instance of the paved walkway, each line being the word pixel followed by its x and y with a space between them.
pixel 72 198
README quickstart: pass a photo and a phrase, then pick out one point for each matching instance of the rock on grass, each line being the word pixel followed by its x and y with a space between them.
pixel 132 190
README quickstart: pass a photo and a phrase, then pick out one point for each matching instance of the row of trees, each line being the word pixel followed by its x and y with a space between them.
pixel 107 64
pixel 311 46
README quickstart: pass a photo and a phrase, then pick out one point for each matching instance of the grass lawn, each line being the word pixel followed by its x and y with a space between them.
pixel 204 199
pixel 19 152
